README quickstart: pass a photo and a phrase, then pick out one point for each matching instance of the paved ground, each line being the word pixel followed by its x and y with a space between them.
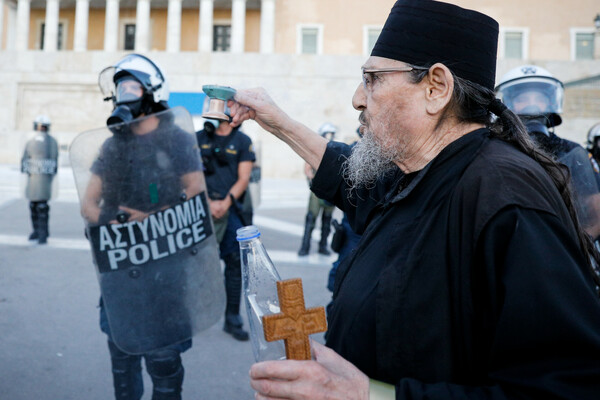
pixel 50 345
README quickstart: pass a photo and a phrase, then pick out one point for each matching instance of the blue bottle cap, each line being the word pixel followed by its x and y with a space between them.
pixel 247 233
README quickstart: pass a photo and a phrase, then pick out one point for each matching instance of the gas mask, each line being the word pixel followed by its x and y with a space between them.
pixel 211 125
pixel 128 101
pixel 537 125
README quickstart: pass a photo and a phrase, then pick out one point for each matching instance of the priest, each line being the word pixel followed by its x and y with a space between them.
pixel 473 278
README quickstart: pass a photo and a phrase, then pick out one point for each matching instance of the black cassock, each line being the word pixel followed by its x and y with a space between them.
pixel 468 282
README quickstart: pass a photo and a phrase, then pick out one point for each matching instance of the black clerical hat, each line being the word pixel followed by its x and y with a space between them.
pixel 423 32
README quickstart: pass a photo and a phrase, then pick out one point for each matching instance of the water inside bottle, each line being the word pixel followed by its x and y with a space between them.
pixel 262 349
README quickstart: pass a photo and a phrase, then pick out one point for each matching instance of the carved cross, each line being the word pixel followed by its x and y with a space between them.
pixel 294 323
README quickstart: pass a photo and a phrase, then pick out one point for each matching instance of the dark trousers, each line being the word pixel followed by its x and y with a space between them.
pixel 230 254
pixel 40 211
pixel 164 367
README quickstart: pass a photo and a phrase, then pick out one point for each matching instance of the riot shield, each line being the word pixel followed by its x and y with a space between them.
pixel 585 189
pixel 143 199
pixel 39 165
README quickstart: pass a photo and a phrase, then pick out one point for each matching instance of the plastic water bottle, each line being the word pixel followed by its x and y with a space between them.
pixel 259 283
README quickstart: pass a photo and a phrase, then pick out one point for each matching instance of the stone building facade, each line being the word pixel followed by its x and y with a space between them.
pixel 307 53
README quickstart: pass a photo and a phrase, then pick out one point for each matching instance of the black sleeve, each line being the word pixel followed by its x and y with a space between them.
pixel 99 166
pixel 541 319
pixel 246 151
pixel 184 153
pixel 329 185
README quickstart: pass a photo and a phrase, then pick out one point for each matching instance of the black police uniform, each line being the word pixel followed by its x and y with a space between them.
pixel 40 163
pixel 221 156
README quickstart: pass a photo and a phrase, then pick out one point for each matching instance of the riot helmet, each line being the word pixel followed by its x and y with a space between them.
pixel 593 136
pixel 136 86
pixel 327 130
pixel 532 92
pixel 41 123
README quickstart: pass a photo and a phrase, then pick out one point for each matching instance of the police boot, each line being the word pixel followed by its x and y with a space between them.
pixel 127 374
pixel 325 229
pixel 233 289
pixel 43 211
pixel 34 220
pixel 165 368
pixel 309 225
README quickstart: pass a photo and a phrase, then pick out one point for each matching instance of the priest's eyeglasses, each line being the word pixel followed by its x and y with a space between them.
pixel 369 75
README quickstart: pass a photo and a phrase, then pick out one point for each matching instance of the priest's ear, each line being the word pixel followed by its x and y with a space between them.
pixel 439 88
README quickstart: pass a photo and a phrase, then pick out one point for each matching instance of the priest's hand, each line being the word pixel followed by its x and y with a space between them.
pixel 256 104
pixel 329 376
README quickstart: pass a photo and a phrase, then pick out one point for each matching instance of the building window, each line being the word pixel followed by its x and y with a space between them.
pixel 582 43
pixel 221 37
pixel 59 39
pixel 129 38
pixel 514 43
pixel 310 39
pixel 584 46
pixel 370 36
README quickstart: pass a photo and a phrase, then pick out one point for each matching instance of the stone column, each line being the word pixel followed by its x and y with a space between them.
pixel 205 32
pixel 82 8
pixel 238 26
pixel 596 54
pixel 174 26
pixel 22 39
pixel 51 29
pixel 142 26
pixel 1 22
pixel 11 28
pixel 267 26
pixel 111 25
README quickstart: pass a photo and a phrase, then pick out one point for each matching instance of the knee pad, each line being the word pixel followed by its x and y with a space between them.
pixel 166 371
pixel 43 207
pixel 123 363
pixel 163 363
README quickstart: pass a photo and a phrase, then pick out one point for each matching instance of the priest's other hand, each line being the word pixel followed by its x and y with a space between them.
pixel 329 376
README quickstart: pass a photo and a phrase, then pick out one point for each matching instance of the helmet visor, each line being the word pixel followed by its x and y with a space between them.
pixel 106 82
pixel 128 90
pixel 532 96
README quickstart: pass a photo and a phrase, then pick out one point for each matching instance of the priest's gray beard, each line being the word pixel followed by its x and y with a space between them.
pixel 371 159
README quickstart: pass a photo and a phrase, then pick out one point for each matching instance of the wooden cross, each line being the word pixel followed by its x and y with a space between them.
pixel 294 323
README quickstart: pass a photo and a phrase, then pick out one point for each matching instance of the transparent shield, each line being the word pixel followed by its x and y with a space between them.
pixel 585 187
pixel 143 198
pixel 39 166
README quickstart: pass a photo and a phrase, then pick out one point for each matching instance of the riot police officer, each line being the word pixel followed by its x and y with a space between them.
pixel 316 205
pixel 145 171
pixel 536 96
pixel 40 163
pixel 228 157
